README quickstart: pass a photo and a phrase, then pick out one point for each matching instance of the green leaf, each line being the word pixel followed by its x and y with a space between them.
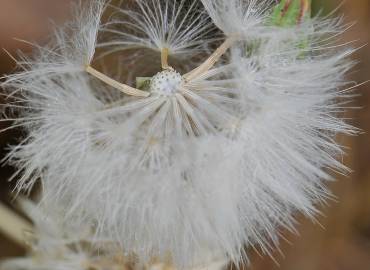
pixel 291 12
pixel 143 83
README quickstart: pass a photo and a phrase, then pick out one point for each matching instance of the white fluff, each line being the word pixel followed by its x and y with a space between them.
pixel 71 47
pixel 224 161
pixel 240 17
pixel 183 28
pixel 55 244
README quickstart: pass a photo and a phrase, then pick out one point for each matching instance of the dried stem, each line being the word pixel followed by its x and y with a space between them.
pixel 14 226
pixel 119 86
pixel 164 58
pixel 211 61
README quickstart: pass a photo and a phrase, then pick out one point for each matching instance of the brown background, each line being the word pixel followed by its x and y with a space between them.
pixel 343 240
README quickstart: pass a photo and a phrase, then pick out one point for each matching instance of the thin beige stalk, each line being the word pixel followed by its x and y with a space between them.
pixel 119 86
pixel 14 226
pixel 164 58
pixel 211 61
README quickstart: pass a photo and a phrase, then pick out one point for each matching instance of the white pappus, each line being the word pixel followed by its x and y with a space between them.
pixel 55 244
pixel 233 133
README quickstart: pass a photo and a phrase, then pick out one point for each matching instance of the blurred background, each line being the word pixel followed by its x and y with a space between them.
pixel 340 242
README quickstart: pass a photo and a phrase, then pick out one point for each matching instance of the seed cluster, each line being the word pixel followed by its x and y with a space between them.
pixel 166 83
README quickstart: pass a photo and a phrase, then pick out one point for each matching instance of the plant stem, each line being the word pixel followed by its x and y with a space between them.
pixel 14 226
pixel 211 61
pixel 119 86
pixel 164 58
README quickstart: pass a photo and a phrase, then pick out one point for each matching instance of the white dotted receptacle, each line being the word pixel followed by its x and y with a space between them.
pixel 166 82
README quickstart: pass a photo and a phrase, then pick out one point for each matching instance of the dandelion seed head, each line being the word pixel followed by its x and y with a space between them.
pixel 221 154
